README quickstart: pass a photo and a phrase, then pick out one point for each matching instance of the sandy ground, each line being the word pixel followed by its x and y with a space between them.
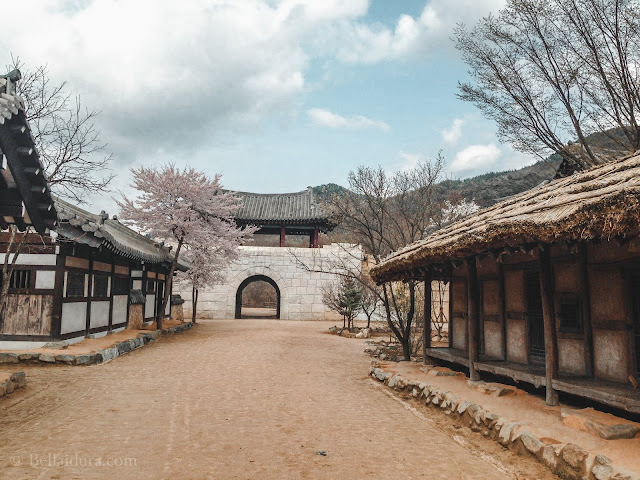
pixel 249 399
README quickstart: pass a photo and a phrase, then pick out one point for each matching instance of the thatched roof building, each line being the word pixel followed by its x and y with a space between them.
pixel 601 203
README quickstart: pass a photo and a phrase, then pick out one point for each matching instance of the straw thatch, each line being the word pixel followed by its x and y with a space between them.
pixel 600 203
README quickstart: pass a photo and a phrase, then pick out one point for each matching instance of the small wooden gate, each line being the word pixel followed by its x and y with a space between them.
pixel 534 317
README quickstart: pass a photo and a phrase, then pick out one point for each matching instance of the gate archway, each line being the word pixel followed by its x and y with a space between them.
pixel 249 280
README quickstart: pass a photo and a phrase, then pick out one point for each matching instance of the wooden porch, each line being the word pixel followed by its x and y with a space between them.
pixel 607 393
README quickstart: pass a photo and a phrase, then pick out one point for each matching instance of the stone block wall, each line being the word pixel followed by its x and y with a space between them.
pixel 300 289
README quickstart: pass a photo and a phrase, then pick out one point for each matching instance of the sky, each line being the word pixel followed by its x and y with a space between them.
pixel 275 95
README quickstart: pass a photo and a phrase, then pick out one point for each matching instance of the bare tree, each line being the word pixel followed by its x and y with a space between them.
pixel 345 298
pixel 370 297
pixel 551 72
pixel 68 142
pixel 384 212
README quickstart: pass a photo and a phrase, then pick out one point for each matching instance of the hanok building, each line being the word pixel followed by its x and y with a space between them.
pixel 25 199
pixel 545 286
pixel 89 277
pixel 284 214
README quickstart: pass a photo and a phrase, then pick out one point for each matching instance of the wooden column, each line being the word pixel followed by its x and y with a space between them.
pixel 585 298
pixel 89 294
pixel 112 278
pixel 58 295
pixel 314 243
pixel 426 329
pixel 503 310
pixel 548 313
pixel 473 304
pixel 282 236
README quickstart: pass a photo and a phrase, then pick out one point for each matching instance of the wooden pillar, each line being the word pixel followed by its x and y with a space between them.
pixel 112 278
pixel 282 236
pixel 585 298
pixel 548 313
pixel 315 238
pixel 473 303
pixel 89 294
pixel 426 329
pixel 58 298
pixel 503 310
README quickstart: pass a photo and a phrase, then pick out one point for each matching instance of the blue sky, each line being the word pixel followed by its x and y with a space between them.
pixel 274 94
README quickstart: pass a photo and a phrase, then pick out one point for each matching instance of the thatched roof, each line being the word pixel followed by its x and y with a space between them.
pixel 600 203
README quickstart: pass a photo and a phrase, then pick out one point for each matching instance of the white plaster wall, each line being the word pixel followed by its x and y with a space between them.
pixel 99 314
pixel 45 279
pixel 74 317
pixel 300 290
pixel 149 306
pixel 119 309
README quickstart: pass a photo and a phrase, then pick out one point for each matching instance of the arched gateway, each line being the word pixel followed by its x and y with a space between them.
pixel 299 291
pixel 249 281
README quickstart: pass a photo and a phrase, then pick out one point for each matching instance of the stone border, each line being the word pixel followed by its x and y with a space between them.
pixel 101 356
pixel 14 382
pixel 568 461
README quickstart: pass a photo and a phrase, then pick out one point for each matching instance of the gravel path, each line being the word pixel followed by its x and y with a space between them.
pixel 246 399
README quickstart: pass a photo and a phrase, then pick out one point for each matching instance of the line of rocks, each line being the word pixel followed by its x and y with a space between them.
pixel 15 381
pixel 101 356
pixel 568 461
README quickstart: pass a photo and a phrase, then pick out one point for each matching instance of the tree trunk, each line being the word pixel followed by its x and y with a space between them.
pixel 167 291
pixel 406 348
pixel 194 303
pixel 368 321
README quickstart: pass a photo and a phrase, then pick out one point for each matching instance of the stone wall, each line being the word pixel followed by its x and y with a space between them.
pixel 300 290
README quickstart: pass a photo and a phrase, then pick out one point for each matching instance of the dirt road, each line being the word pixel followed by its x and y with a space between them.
pixel 245 399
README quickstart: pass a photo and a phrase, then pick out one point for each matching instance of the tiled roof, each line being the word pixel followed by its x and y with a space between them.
pixel 94 230
pixel 288 208
pixel 25 198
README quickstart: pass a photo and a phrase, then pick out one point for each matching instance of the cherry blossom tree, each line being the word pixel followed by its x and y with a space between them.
pixel 190 212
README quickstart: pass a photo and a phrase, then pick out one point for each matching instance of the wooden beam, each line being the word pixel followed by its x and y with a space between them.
pixel 426 329
pixel 473 303
pixel 548 313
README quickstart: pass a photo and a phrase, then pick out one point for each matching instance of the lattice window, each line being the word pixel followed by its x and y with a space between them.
pixel 75 284
pixel 570 313
pixel 101 286
pixel 20 280
pixel 151 286
pixel 120 286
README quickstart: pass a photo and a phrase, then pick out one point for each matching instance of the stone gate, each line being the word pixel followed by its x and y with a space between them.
pixel 298 290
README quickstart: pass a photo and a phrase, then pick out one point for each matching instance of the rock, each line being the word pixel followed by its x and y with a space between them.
pixel 549 457
pixel 8 357
pixel 9 387
pixel 88 359
pixel 490 420
pixel 57 345
pixel 333 329
pixel 123 347
pixel 496 390
pixel 19 378
pixel 476 415
pixel 601 424
pixel 3 389
pixel 68 359
pixel 575 457
pixel 506 433
pixel 531 443
pixel 109 353
pixel 47 358
pixel 602 468
pixel 415 392
pixel 27 356
pixel 462 407
pixel 382 375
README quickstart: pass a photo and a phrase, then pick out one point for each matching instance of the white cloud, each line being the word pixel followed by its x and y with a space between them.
pixel 172 74
pixel 427 33
pixel 329 119
pixel 451 135
pixel 475 159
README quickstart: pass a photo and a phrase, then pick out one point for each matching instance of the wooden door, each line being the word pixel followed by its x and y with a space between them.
pixel 534 317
